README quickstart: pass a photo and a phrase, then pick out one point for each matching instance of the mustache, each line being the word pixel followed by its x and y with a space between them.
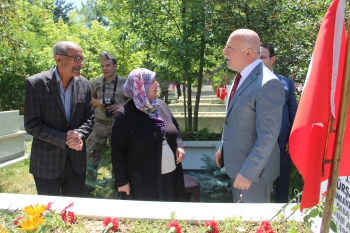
pixel 77 67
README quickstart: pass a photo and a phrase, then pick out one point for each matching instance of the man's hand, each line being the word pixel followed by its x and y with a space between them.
pixel 114 108
pixel 241 182
pixel 180 155
pixel 74 140
pixel 100 104
pixel 126 189
pixel 218 158
pixel 97 103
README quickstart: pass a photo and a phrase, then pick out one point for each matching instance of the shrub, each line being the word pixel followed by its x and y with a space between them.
pixel 201 135
pixel 215 185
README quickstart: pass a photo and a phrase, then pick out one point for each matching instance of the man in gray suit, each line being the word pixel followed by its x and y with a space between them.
pixel 249 144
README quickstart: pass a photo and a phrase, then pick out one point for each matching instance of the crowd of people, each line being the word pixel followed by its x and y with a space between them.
pixel 71 120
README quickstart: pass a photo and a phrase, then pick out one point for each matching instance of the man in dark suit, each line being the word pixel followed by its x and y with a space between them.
pixel 253 120
pixel 289 110
pixel 59 114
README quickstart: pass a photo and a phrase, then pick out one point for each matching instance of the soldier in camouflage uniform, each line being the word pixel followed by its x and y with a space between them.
pixel 107 98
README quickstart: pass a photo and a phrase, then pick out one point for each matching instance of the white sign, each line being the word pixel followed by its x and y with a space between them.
pixel 342 200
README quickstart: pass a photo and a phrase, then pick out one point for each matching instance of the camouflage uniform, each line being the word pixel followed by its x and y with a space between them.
pixel 96 143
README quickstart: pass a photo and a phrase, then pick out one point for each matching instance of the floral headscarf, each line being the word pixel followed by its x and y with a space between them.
pixel 136 87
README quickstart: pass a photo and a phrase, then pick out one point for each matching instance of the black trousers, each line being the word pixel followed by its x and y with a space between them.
pixel 282 182
pixel 68 184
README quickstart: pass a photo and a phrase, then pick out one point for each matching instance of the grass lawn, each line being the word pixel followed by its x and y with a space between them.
pixel 16 178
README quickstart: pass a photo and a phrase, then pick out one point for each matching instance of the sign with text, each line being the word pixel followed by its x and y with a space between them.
pixel 342 201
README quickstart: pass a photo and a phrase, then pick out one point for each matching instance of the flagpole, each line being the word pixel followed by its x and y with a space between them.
pixel 332 181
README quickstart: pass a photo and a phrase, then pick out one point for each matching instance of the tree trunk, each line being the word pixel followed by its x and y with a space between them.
pixel 185 109
pixel 200 73
pixel 189 102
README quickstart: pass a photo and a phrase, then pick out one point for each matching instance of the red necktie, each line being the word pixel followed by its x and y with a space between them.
pixel 234 88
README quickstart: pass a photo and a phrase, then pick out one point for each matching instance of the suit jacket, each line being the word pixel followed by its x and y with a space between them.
pixel 137 152
pixel 252 125
pixel 45 119
pixel 289 110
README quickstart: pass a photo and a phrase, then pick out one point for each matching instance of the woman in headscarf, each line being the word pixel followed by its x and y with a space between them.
pixel 146 142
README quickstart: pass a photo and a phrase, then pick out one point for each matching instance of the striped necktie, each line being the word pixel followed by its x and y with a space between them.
pixel 234 88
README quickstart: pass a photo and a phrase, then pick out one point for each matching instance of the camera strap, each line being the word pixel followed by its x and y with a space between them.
pixel 104 87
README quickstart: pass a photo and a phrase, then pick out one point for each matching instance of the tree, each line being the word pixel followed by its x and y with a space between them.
pixel 180 40
pixel 94 10
pixel 61 10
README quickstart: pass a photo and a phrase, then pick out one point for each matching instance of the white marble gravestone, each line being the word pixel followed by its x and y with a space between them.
pixel 11 137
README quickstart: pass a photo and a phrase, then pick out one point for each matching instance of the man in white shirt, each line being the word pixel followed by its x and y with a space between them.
pixel 249 146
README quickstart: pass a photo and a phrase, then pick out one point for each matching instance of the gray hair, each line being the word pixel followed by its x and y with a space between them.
pixel 61 47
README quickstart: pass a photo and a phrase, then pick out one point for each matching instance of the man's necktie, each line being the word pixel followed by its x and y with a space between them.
pixel 234 88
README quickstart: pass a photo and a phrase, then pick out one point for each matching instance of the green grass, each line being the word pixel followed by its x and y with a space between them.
pixel 16 178
pixel 28 146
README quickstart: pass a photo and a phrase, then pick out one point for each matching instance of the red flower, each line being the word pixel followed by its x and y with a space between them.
pixel 68 206
pixel 111 223
pixel 67 216
pixel 324 193
pixel 17 220
pixel 48 207
pixel 212 226
pixel 174 227
pixel 265 227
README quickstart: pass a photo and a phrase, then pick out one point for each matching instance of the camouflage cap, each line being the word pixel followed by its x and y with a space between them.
pixel 104 56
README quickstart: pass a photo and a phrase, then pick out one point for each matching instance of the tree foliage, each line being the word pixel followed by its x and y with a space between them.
pixel 181 40
pixel 61 10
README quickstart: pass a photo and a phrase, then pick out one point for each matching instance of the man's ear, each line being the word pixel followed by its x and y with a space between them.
pixel 57 58
pixel 273 59
pixel 249 52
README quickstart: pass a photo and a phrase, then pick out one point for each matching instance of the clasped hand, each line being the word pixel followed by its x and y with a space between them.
pixel 74 140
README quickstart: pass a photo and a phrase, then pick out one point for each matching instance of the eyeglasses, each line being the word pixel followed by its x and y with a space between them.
pixel 76 58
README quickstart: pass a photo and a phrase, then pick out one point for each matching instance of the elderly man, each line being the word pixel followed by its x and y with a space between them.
pixel 249 147
pixel 58 113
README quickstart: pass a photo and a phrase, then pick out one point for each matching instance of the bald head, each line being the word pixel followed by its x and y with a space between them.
pixel 248 39
pixel 69 59
pixel 62 46
pixel 242 48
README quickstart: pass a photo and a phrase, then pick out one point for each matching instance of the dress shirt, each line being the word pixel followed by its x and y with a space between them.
pixel 66 95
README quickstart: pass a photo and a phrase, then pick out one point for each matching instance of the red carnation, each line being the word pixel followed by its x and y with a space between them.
pixel 17 220
pixel 67 216
pixel 111 223
pixel 48 207
pixel 212 226
pixel 265 227
pixel 174 227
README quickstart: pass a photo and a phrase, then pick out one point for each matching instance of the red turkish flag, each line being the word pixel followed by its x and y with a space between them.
pixel 319 102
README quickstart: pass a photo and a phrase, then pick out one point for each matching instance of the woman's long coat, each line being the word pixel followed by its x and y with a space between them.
pixel 137 152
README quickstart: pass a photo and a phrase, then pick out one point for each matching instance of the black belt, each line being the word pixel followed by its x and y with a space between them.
pixel 105 122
